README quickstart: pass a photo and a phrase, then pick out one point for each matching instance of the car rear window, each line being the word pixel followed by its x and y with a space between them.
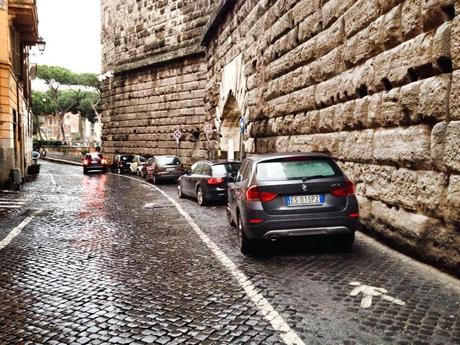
pixel 226 168
pixel 168 160
pixel 295 169
pixel 127 158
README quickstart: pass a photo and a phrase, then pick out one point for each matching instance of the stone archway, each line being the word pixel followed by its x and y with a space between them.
pixel 230 129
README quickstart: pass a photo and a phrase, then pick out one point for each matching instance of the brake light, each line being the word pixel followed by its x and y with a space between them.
pixel 85 162
pixel 253 194
pixel 255 220
pixel 341 192
pixel 353 215
pixel 215 180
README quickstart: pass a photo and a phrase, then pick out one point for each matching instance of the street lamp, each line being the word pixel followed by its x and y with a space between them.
pixel 41 44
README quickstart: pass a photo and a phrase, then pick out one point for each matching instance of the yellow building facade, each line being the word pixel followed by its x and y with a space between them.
pixel 18 32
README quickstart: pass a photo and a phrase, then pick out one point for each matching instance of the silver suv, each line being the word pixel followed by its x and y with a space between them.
pixel 291 194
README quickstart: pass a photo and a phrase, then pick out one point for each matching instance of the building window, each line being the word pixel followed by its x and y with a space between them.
pixel 16 52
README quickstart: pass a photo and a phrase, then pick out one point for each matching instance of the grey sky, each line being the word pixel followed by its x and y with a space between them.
pixel 71 29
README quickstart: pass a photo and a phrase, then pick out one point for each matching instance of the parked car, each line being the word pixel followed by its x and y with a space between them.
pixel 143 168
pixel 289 195
pixel 94 161
pixel 137 163
pixel 121 163
pixel 207 180
pixel 163 168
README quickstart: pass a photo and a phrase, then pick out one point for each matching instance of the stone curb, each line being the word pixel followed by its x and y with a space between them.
pixel 62 161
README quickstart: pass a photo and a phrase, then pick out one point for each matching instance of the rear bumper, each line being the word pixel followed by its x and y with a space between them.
pixel 95 167
pixel 168 175
pixel 313 225
pixel 217 194
pixel 332 230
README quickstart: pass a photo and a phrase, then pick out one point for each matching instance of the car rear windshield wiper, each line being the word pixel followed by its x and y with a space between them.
pixel 314 176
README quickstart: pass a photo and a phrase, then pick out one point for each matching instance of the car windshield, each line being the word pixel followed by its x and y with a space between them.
pixel 168 160
pixel 295 169
pixel 226 168
pixel 127 158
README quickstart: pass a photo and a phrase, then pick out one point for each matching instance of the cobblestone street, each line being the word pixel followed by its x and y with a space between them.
pixel 105 258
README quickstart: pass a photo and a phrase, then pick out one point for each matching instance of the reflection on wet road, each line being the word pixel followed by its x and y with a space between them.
pixel 109 260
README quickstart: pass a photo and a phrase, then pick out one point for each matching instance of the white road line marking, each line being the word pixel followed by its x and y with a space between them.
pixel 271 315
pixel 17 230
pixel 10 206
pixel 18 200
pixel 12 202
pixel 53 182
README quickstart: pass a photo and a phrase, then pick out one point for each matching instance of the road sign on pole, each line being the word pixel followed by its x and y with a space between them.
pixel 207 127
pixel 242 124
pixel 177 134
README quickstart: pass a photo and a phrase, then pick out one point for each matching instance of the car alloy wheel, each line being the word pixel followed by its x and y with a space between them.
pixel 179 192
pixel 200 197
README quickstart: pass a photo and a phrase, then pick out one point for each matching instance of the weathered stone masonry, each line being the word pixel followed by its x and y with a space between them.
pixel 375 83
pixel 159 76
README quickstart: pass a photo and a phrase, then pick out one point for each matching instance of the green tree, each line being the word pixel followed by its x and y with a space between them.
pixel 68 92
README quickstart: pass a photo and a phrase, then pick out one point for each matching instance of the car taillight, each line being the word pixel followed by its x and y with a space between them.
pixel 85 162
pixel 215 180
pixel 253 194
pixel 340 192
pixel 104 161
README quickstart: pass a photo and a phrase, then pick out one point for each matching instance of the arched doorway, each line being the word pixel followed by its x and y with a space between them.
pixel 231 138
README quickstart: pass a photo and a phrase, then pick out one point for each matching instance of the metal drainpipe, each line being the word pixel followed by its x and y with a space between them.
pixel 21 141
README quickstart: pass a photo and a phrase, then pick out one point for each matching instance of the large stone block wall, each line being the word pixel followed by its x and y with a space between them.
pixel 375 83
pixel 153 51
pixel 138 33
pixel 142 108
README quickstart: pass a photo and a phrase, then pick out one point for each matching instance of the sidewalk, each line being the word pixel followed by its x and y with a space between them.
pixel 62 161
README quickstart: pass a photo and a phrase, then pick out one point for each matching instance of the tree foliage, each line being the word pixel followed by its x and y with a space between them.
pixel 68 92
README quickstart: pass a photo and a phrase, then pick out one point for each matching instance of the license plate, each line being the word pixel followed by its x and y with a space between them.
pixel 170 169
pixel 303 200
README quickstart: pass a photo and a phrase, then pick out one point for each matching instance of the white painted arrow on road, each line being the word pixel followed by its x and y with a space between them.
pixel 369 292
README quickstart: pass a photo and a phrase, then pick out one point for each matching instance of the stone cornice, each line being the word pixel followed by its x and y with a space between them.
pixel 181 53
pixel 215 20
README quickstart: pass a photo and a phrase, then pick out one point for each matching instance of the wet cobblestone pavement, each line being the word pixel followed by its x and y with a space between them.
pixel 110 260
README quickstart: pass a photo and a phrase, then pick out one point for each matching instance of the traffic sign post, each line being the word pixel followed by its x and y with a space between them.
pixel 242 128
pixel 177 134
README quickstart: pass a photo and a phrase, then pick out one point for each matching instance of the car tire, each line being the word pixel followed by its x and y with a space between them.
pixel 85 171
pixel 247 246
pixel 229 217
pixel 347 241
pixel 179 192
pixel 104 170
pixel 200 198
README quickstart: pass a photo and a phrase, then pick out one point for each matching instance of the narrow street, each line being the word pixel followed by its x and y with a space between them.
pixel 107 258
